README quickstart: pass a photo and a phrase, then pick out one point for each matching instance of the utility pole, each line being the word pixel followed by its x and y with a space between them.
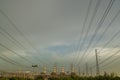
pixel 72 68
pixel 91 71
pixel 86 69
pixel 97 64
pixel 44 69
pixel 79 70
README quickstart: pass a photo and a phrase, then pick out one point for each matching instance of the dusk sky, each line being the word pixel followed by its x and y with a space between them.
pixel 48 32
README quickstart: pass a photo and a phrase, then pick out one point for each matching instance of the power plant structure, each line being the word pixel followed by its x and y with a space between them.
pixel 73 70
pixel 54 72
pixel 44 70
pixel 62 71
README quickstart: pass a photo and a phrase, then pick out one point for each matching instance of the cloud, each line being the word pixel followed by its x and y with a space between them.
pixel 54 29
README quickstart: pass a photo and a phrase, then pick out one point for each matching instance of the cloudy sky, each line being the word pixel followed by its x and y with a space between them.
pixel 48 32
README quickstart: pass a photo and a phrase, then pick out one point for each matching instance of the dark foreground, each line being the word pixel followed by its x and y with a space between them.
pixel 67 78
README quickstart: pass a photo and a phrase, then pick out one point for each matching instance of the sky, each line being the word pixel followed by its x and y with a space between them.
pixel 62 32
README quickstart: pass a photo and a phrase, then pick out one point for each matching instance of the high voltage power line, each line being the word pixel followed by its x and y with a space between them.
pixel 108 58
pixel 113 37
pixel 100 23
pixel 108 25
pixel 15 53
pixel 113 47
pixel 110 62
pixel 9 59
pixel 9 38
pixel 20 33
pixel 89 27
pixel 83 27
pixel 15 41
pixel 12 39
pixel 104 32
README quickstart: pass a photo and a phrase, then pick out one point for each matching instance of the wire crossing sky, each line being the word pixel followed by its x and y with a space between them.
pixel 62 32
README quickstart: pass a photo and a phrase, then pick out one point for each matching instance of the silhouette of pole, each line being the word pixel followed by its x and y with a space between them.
pixel 86 69
pixel 79 70
pixel 91 71
pixel 97 64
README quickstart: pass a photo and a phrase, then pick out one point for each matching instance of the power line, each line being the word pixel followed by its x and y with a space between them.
pixel 106 53
pixel 104 32
pixel 20 32
pixel 108 26
pixel 7 60
pixel 11 37
pixel 111 61
pixel 116 34
pixel 89 26
pixel 110 57
pixel 83 27
pixel 15 53
pixel 101 22
pixel 11 60
pixel 12 41
pixel 17 42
